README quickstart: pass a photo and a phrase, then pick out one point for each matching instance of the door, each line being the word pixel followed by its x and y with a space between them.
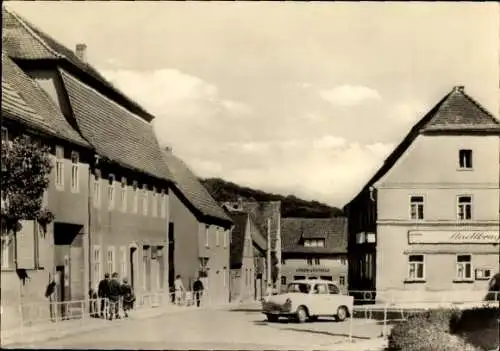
pixel 61 290
pixel 321 300
pixel 171 255
pixel 132 259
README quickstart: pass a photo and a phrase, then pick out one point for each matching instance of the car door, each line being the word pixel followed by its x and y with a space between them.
pixel 334 297
pixel 320 299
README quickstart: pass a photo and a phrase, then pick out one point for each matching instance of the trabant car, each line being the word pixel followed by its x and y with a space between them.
pixel 307 300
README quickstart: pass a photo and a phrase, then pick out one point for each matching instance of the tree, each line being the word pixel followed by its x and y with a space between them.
pixel 26 166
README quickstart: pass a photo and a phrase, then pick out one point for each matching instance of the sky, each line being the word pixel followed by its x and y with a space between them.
pixel 293 98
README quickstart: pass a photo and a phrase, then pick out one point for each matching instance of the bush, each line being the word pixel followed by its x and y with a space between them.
pixel 428 331
pixel 479 326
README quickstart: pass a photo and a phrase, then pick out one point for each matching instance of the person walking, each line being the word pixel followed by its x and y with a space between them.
pixel 114 297
pixel 103 294
pixel 179 289
pixel 128 297
pixel 198 291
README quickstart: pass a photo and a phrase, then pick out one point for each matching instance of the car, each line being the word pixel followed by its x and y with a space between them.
pixel 306 300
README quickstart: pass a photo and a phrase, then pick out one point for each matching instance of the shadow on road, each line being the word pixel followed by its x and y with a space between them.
pixel 327 333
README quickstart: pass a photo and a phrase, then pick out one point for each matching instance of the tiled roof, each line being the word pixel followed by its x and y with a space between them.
pixel 115 133
pixel 261 212
pixel 189 185
pixel 240 220
pixel 14 105
pixel 456 112
pixel 48 116
pixel 333 230
pixel 27 42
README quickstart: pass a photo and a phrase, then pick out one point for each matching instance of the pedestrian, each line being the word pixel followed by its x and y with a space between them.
pixel 198 291
pixel 94 312
pixel 103 294
pixel 128 297
pixel 179 289
pixel 114 297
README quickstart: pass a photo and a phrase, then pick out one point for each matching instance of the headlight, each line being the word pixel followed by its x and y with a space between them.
pixel 287 305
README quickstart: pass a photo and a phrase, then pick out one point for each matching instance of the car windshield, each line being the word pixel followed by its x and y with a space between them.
pixel 299 288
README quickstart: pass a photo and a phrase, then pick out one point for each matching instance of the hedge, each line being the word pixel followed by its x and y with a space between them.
pixel 447 330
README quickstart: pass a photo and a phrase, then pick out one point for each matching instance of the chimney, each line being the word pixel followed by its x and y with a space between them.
pixel 168 149
pixel 81 52
pixel 459 88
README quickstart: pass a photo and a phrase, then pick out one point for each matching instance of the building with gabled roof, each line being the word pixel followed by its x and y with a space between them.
pixel 247 258
pixel 110 184
pixel 314 248
pixel 199 233
pixel 433 208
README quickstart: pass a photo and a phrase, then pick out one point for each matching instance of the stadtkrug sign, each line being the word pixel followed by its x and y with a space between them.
pixel 313 270
pixel 453 237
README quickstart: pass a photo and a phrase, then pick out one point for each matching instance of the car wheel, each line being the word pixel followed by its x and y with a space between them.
pixel 302 314
pixel 341 313
pixel 272 318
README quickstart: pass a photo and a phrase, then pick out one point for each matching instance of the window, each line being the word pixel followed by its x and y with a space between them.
pixel 123 194
pixel 207 237
pixel 75 178
pixel 360 238
pixel 464 210
pixel 96 265
pixel 309 261
pixel 326 277
pixel 342 280
pixel 465 159
pixel 283 261
pixel 333 289
pixel 163 205
pixel 283 280
pixel 314 243
pixel 111 192
pixel 144 199
pixel 110 260
pixel 217 236
pixel 135 198
pixel 320 289
pixel 59 167
pixel 343 261
pixel 464 267
pixel 225 234
pixel 97 189
pixel 417 207
pixel 225 278
pixel 154 204
pixel 5 135
pixel 298 277
pixel 7 242
pixel 123 262
pixel 316 261
pixel 416 267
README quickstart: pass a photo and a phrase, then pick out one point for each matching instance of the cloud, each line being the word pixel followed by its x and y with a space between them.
pixel 407 112
pixel 350 95
pixel 328 142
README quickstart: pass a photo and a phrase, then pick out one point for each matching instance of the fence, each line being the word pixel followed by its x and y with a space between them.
pixel 382 317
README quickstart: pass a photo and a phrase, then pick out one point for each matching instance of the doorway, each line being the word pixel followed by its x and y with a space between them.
pixel 132 259
pixel 171 255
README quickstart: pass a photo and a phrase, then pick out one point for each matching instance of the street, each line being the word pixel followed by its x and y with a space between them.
pixel 216 329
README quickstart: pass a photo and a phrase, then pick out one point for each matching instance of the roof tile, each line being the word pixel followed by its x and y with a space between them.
pixel 189 185
pixel 333 230
pixel 116 133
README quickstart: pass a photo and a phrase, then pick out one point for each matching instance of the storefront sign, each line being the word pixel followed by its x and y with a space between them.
pixel 453 237
pixel 313 270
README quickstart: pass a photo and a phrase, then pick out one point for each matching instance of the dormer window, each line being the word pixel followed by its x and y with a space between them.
pixel 314 242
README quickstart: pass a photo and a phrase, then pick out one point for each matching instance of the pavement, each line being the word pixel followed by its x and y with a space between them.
pixel 223 328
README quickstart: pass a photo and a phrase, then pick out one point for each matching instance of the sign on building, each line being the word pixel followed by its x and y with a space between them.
pixel 453 237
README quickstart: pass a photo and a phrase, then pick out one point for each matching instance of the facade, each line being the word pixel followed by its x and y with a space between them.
pixel 433 208
pixel 314 248
pixel 247 259
pixel 267 216
pixel 199 234
pixel 110 199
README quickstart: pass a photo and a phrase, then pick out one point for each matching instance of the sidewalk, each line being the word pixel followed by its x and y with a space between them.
pixel 44 332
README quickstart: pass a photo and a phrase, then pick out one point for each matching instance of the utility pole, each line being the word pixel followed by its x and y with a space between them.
pixel 269 278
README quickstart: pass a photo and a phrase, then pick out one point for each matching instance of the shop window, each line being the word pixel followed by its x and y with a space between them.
pixel 465 159
pixel 75 172
pixel 464 209
pixel 59 168
pixel 416 207
pixel 299 277
pixel 416 267
pixel 464 267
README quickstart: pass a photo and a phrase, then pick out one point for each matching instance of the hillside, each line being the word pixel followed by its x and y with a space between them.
pixel 292 206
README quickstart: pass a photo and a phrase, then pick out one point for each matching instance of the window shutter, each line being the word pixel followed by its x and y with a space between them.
pixel 26 246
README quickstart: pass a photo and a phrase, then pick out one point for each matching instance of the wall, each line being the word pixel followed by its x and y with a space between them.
pixel 186 239
pixel 217 252
pixel 334 266
pixel 430 168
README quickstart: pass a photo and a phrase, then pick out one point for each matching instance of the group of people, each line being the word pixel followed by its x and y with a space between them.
pixel 111 292
pixel 179 291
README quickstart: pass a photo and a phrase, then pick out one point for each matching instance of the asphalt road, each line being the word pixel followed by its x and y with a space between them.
pixel 216 329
